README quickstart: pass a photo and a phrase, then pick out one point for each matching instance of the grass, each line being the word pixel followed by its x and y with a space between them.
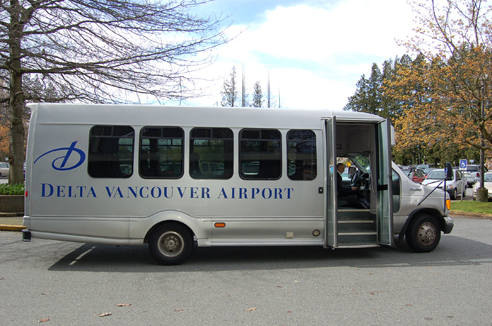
pixel 7 189
pixel 472 206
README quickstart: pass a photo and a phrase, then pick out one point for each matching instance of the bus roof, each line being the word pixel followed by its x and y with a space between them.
pixel 145 115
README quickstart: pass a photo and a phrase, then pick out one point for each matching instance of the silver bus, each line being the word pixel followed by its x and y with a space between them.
pixel 176 177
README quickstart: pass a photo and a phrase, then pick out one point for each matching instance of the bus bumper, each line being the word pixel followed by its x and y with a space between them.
pixel 448 225
pixel 26 236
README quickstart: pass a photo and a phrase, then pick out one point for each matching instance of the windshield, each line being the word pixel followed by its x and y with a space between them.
pixel 487 177
pixel 436 175
pixel 362 162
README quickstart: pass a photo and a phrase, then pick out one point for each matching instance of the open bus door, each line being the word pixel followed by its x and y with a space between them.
pixel 330 211
pixel 348 227
pixel 384 208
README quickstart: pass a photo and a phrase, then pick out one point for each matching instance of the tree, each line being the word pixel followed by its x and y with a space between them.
pixel 449 90
pixel 110 51
pixel 229 90
pixel 244 94
pixel 257 95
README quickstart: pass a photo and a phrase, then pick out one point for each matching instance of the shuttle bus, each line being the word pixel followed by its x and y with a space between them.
pixel 176 177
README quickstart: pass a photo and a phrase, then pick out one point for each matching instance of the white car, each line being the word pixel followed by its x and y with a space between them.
pixel 454 187
pixel 487 183
pixel 4 169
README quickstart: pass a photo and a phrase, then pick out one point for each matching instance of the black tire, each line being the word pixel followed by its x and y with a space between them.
pixel 171 244
pixel 453 194
pixel 423 233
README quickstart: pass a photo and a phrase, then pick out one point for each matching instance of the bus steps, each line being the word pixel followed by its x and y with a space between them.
pixel 356 229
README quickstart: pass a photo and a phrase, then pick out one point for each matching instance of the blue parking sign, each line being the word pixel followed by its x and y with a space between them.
pixel 463 164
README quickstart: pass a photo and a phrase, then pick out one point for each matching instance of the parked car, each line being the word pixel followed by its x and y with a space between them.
pixel 487 183
pixel 456 186
pixel 4 169
pixel 472 174
pixel 417 175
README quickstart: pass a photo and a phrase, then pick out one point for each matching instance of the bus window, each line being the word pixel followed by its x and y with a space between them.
pixel 396 191
pixel 301 149
pixel 111 151
pixel 260 154
pixel 161 152
pixel 211 153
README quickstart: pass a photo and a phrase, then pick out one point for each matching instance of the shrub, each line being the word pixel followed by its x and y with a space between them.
pixel 16 189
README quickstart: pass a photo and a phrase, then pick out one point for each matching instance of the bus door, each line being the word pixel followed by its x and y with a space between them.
pixel 330 186
pixel 384 208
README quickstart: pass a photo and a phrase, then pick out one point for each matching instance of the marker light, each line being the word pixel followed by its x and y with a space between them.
pixel 448 204
pixel 25 193
pixel 219 225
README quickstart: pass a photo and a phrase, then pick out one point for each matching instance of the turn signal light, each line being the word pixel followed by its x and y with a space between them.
pixel 448 204
pixel 219 225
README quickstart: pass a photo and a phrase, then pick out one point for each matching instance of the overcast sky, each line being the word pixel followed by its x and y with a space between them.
pixel 315 51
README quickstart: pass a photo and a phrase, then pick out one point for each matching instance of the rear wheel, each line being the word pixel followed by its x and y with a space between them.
pixel 423 233
pixel 171 244
pixel 453 194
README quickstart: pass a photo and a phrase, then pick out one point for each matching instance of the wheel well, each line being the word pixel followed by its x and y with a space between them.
pixel 149 233
pixel 433 212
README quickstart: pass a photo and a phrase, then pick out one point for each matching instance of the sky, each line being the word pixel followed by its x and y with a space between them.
pixel 313 51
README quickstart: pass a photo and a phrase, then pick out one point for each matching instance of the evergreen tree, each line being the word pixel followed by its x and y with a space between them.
pixel 244 94
pixel 229 90
pixel 257 96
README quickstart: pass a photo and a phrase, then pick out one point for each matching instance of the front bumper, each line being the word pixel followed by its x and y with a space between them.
pixel 447 225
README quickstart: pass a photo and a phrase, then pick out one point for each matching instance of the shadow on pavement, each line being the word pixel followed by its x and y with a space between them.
pixel 102 258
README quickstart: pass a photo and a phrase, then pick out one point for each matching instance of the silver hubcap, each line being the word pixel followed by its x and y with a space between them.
pixel 427 234
pixel 170 244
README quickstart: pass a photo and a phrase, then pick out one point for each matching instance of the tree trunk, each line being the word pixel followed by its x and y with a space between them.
pixel 16 149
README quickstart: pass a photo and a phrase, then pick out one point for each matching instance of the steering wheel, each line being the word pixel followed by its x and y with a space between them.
pixel 355 180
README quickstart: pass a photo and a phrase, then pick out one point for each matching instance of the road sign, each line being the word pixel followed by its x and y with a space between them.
pixel 463 164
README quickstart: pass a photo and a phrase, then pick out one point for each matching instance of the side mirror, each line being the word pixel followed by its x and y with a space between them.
pixel 449 171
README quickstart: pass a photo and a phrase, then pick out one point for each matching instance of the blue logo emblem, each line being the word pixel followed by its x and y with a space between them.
pixel 60 163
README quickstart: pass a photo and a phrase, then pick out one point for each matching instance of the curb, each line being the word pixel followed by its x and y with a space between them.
pixel 4 227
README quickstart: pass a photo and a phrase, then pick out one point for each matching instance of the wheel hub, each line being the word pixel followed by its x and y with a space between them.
pixel 427 234
pixel 171 244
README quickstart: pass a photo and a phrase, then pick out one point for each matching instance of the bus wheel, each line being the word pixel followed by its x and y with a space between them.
pixel 171 244
pixel 423 233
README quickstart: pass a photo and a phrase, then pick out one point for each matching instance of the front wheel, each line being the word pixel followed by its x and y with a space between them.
pixel 171 244
pixel 423 233
pixel 454 194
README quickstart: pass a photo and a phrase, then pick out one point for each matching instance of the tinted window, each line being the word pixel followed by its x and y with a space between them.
pixel 161 152
pixel 211 153
pixel 111 151
pixel 260 154
pixel 301 154
pixel 396 191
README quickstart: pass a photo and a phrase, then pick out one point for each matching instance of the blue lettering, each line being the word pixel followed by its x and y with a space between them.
pixel 194 192
pixel 132 191
pixel 254 191
pixel 181 192
pixel 278 193
pixel 141 192
pixel 60 191
pixel 168 195
pixel 91 192
pixel 115 191
pixel 159 192
pixel 268 195
pixel 222 193
pixel 243 193
pixel 43 190
pixel 205 193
